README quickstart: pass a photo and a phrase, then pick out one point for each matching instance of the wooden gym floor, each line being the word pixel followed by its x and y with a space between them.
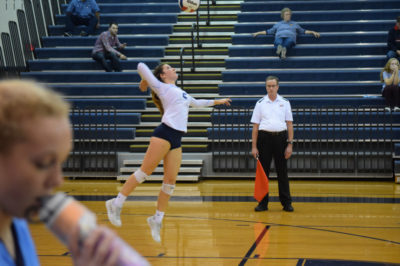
pixel 214 223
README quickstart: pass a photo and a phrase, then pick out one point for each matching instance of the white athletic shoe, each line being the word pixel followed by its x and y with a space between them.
pixel 113 212
pixel 279 50
pixel 155 228
pixel 283 54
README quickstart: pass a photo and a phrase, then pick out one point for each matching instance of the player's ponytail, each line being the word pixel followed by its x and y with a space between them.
pixel 157 73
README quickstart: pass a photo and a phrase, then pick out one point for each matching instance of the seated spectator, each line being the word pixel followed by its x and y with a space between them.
pixel 390 77
pixel 285 33
pixel 107 46
pixel 393 41
pixel 82 12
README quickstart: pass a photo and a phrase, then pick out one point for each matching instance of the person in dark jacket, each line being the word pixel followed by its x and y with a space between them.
pixel 393 41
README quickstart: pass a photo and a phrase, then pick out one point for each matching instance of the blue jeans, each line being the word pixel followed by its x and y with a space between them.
pixel 101 58
pixel 72 21
pixel 285 42
pixel 392 54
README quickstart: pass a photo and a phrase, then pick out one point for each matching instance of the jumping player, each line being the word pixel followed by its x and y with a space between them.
pixel 165 143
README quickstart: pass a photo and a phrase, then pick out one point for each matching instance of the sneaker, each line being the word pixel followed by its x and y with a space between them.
pixel 279 50
pixel 67 34
pixel 283 54
pixel 113 212
pixel 155 228
pixel 396 109
pixel 387 109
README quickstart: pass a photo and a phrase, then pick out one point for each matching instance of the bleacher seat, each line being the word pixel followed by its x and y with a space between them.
pixel 311 133
pixel 83 77
pixel 93 118
pixel 119 104
pixel 131 41
pixel 85 64
pixel 260 5
pixel 122 29
pixel 99 89
pixel 77 52
pixel 314 102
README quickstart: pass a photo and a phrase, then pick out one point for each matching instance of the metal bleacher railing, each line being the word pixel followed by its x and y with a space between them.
pixel 95 137
pixel 327 140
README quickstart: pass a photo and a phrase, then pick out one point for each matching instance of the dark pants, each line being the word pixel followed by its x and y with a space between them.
pixel 391 94
pixel 273 145
pixel 101 58
pixel 73 21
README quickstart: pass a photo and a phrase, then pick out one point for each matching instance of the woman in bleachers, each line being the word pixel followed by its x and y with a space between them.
pixel 165 143
pixel 285 33
pixel 390 77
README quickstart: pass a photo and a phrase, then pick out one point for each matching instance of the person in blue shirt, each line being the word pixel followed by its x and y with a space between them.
pixel 82 12
pixel 35 139
pixel 285 33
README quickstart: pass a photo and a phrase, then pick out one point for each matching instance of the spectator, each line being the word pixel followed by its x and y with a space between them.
pixel 393 41
pixel 34 142
pixel 390 77
pixel 285 33
pixel 82 12
pixel 107 46
pixel 272 137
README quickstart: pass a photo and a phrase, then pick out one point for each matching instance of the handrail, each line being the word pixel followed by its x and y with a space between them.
pixel 208 11
pixel 193 69
pixel 196 26
pixel 329 139
pixel 181 64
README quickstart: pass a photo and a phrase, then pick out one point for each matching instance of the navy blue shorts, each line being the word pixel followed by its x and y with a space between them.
pixel 173 136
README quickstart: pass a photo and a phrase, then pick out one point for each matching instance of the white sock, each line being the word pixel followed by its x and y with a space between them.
pixel 119 200
pixel 159 216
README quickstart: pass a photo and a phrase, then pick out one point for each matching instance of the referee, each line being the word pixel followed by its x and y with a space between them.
pixel 272 137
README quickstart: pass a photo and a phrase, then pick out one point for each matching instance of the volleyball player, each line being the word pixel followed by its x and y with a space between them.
pixel 165 143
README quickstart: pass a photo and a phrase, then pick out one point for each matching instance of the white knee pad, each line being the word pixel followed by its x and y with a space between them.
pixel 140 176
pixel 168 188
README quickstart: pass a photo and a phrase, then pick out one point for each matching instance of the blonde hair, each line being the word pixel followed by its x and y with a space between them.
pixel 286 9
pixel 157 73
pixel 21 101
pixel 387 67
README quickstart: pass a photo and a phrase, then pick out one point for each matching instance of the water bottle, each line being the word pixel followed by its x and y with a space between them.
pixel 62 214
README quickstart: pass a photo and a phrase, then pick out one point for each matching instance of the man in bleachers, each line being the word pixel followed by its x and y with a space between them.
pixel 107 46
pixel 82 12
pixel 272 137
pixel 393 41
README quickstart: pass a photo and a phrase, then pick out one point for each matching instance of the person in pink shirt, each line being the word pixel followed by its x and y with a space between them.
pixel 107 46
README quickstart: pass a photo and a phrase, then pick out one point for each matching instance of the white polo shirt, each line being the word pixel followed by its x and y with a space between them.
pixel 272 115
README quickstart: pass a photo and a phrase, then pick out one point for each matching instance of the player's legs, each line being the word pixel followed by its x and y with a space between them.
pixel 172 163
pixel 157 149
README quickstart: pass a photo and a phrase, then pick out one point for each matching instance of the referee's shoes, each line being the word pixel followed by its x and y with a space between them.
pixel 288 208
pixel 261 207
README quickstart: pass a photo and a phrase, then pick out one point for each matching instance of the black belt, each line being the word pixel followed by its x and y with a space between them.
pixel 273 133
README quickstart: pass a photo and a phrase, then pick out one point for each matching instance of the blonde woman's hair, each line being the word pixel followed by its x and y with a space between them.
pixel 21 101
pixel 387 67
pixel 286 9
pixel 157 73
